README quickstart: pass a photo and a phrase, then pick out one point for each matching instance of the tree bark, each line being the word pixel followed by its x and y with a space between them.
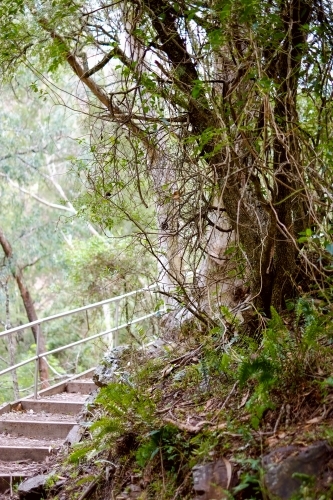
pixel 285 72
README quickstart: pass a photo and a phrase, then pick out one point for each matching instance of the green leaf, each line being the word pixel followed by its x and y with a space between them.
pixel 197 89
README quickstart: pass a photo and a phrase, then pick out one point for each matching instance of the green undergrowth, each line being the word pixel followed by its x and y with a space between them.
pixel 217 394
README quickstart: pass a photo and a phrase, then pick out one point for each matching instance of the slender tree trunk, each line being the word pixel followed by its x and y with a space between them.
pixel 11 342
pixel 29 307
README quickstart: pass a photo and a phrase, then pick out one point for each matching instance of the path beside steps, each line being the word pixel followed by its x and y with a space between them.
pixel 33 430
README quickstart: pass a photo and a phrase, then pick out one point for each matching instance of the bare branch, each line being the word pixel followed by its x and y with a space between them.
pixel 38 198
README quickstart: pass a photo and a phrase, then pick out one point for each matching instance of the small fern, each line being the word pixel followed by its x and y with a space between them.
pixel 125 407
pixel 168 442
pixel 261 369
pixel 126 404
pixel 282 357
pixel 80 452
pixel 312 326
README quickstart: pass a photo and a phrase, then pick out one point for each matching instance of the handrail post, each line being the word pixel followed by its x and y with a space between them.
pixel 37 362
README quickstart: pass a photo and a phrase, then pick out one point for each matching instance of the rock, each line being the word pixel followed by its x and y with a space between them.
pixel 111 368
pixel 288 461
pixel 37 487
pixel 106 372
pixel 33 488
pixel 74 435
pixel 132 492
pixel 210 481
pixel 158 347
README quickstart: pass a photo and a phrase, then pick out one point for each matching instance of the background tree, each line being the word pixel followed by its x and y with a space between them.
pixel 59 260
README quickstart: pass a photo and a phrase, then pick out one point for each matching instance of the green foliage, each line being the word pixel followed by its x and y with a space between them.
pixel 80 453
pixel 283 359
pixel 99 268
pixel 202 446
pixel 168 442
pixel 250 478
pixel 126 408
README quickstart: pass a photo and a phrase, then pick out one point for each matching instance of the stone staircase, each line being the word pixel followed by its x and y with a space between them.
pixel 32 431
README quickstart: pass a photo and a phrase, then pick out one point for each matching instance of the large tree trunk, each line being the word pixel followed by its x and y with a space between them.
pixel 285 71
pixel 235 158
pixel 29 308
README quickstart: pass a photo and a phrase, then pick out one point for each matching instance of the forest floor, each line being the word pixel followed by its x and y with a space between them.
pixel 207 398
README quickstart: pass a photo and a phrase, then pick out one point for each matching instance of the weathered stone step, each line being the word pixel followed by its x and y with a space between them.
pixel 35 453
pixel 48 406
pixel 41 427
pixel 81 386
pixel 37 428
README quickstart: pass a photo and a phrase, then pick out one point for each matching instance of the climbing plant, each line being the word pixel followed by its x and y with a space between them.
pixel 217 115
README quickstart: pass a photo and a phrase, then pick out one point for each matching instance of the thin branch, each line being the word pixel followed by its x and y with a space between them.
pixel 100 65
pixel 102 8
pixel 151 119
pixel 30 264
pixel 21 153
pixel 38 198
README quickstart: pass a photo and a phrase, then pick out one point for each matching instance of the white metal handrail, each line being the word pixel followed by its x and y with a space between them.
pixel 73 311
pixel 78 342
pixel 38 322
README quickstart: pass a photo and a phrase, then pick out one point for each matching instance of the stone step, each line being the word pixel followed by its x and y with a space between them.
pixel 37 428
pixel 61 386
pixel 81 386
pixel 48 406
pixel 42 426
pixel 34 453
pixel 85 375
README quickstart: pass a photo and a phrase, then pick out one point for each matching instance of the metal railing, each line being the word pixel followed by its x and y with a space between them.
pixel 39 322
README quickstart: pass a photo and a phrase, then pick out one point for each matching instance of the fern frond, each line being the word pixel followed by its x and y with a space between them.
pixel 276 322
pixel 261 368
pixel 107 426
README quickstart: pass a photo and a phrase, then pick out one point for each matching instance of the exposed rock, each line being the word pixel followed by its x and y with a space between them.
pixel 110 369
pixel 158 347
pixel 106 371
pixel 74 435
pixel 33 488
pixel 212 480
pixel 284 464
pixel 133 491
pixel 37 487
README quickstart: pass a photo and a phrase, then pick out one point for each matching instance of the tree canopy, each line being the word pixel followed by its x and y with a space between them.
pixel 215 118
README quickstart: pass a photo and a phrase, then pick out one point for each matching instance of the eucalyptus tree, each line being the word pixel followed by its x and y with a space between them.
pixel 51 258
pixel 37 222
pixel 219 112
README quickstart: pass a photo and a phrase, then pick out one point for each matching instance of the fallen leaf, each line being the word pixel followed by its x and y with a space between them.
pixel 209 404
pixel 167 370
pixel 314 420
pixel 271 441
pixel 244 399
pixel 228 467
